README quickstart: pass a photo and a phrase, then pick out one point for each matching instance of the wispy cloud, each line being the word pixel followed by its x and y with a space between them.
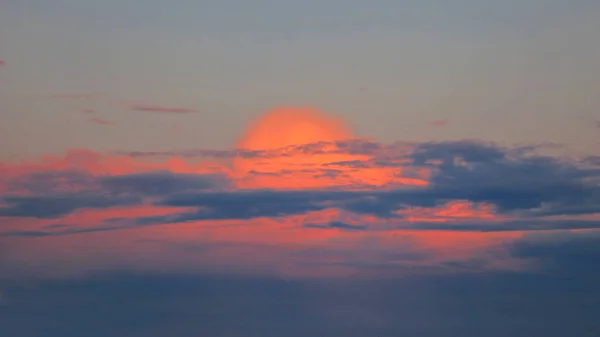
pixel 438 123
pixel 2 63
pixel 101 121
pixel 351 146
pixel 164 109
pixel 74 96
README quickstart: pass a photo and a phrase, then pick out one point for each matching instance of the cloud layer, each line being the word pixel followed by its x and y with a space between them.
pixel 445 205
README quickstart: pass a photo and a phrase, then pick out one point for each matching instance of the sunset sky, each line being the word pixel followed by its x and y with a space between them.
pixel 299 168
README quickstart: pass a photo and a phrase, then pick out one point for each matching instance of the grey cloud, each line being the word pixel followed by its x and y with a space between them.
pixel 337 225
pixel 162 183
pixel 53 206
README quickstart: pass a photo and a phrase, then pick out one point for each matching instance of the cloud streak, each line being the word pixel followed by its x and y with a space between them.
pixel 101 121
pixel 438 123
pixel 162 109
pixel 75 96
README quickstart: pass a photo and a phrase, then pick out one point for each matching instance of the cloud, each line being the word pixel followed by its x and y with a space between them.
pixel 507 226
pixel 507 177
pixel 163 183
pixel 592 160
pixel 100 121
pixel 479 173
pixel 97 163
pixel 2 63
pixel 53 194
pixel 73 96
pixel 438 123
pixel 343 147
pixel 335 224
pixel 509 181
pixel 47 182
pixel 154 108
pixel 53 206
pixel 477 198
pixel 474 187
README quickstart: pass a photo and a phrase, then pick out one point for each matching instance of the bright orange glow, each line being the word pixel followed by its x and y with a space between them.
pixel 284 131
pixel 282 128
pixel 293 126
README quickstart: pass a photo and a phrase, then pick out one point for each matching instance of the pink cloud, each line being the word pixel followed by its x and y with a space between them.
pixel 2 63
pixel 154 108
pixel 101 121
pixel 438 123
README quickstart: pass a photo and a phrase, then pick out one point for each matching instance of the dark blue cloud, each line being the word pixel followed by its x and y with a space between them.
pixel 52 182
pixel 252 203
pixel 469 151
pixel 56 194
pixel 336 225
pixel 511 179
pixel 162 183
pixel 53 206
pixel 505 226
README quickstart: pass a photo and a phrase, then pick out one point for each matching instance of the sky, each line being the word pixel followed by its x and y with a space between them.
pixel 294 168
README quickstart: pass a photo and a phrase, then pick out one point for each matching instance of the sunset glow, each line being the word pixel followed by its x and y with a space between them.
pixel 299 168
